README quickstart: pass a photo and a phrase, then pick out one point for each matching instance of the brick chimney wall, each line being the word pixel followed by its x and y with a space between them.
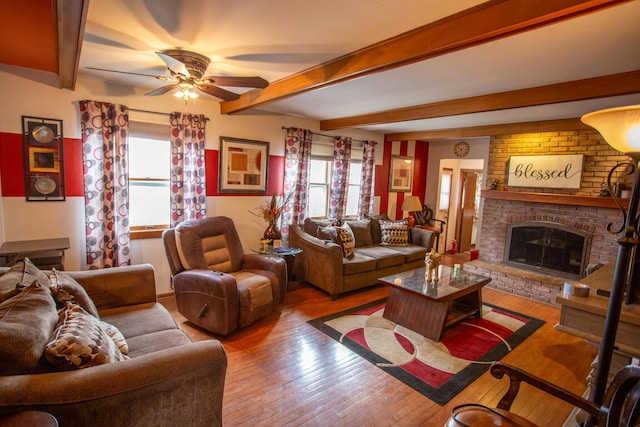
pixel 497 214
pixel 599 157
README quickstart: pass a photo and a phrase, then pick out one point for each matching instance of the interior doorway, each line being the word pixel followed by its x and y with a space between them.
pixel 444 204
pixel 468 205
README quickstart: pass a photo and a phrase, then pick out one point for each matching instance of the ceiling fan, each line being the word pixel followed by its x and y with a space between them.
pixel 186 70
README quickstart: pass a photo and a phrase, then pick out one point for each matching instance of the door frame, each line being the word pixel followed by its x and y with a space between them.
pixel 461 197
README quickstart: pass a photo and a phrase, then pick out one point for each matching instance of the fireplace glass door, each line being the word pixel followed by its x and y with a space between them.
pixel 548 247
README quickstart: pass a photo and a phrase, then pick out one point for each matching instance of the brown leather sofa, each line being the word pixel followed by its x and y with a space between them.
pixel 217 286
pixel 168 380
pixel 322 263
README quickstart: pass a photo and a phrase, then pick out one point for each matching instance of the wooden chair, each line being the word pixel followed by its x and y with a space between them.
pixel 621 405
pixel 426 220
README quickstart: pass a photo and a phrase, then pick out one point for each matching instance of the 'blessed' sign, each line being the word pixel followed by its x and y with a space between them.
pixel 553 171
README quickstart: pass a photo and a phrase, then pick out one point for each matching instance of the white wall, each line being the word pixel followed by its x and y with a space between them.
pixel 32 93
pixel 441 156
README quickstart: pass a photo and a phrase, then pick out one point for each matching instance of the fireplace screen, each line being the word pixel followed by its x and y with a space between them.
pixel 548 247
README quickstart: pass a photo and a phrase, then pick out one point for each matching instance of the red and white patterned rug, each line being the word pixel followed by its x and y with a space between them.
pixel 438 370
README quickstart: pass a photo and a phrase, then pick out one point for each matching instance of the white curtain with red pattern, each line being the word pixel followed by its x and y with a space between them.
pixel 340 178
pixel 296 177
pixel 368 179
pixel 188 183
pixel 105 136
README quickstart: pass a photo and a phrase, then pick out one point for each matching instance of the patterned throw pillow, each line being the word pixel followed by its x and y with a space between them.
pixel 346 240
pixel 395 233
pixel 376 232
pixel 80 341
pixel 65 288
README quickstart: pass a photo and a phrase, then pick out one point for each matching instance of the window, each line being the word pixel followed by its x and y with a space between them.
pixel 320 173
pixel 149 176
pixel 149 183
pixel 319 178
pixel 353 196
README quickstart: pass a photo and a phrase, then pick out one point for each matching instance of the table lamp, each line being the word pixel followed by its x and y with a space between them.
pixel 411 204
pixel 620 127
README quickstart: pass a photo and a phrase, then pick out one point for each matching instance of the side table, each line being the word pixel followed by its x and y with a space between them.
pixel 288 254
pixel 44 253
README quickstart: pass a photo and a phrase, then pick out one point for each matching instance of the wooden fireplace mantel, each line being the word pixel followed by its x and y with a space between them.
pixel 557 199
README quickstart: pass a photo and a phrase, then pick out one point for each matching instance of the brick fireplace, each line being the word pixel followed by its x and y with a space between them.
pixel 581 209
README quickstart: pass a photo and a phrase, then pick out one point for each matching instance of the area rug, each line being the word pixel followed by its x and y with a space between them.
pixel 438 370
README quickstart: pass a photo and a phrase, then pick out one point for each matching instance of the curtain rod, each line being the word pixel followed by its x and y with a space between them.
pixel 155 112
pixel 328 136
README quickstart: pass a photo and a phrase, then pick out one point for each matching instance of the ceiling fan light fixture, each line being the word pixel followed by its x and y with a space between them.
pixel 186 92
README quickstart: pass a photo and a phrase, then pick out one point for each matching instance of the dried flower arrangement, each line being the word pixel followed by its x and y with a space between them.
pixel 272 210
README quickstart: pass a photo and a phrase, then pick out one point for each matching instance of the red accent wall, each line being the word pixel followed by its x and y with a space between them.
pixel 404 146
pixel 12 170
pixel 274 176
pixel 12 166
pixel 420 162
pixel 211 171
pixel 382 178
pixel 421 159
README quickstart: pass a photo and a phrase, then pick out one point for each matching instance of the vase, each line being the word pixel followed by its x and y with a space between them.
pixel 272 232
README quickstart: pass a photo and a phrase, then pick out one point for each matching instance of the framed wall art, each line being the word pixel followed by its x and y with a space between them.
pixel 401 174
pixel 243 165
pixel 546 171
pixel 43 152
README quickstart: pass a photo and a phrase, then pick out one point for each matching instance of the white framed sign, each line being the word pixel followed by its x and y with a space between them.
pixel 548 171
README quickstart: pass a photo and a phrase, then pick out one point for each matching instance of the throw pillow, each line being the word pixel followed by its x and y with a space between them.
pixel 327 233
pixel 80 341
pixel 362 232
pixel 376 232
pixel 395 233
pixel 311 225
pixel 65 288
pixel 20 275
pixel 116 336
pixel 26 322
pixel 346 240
pixel 10 283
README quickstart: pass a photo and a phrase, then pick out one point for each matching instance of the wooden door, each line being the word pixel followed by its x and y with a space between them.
pixel 467 208
pixel 444 204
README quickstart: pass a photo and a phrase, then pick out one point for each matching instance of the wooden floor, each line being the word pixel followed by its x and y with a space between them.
pixel 283 372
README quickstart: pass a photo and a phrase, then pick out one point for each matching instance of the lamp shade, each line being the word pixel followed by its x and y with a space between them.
pixel 620 127
pixel 411 204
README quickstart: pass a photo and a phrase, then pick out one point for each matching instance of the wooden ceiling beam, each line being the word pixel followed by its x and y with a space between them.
pixel 489 130
pixel 488 21
pixel 578 90
pixel 70 19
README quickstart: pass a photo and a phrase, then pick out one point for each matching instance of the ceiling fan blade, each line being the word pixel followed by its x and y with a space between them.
pixel 218 92
pixel 161 90
pixel 127 72
pixel 258 82
pixel 174 65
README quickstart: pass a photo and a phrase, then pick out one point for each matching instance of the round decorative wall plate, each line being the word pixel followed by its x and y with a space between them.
pixel 45 185
pixel 43 134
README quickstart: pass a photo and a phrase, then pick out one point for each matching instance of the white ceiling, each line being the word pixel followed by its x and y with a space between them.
pixel 278 38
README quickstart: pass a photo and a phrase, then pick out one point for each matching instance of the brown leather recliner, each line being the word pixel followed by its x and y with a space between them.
pixel 217 286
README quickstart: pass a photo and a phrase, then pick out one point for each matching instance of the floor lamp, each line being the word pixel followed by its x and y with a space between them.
pixel 620 127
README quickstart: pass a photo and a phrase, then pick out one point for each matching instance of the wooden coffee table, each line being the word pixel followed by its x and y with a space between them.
pixel 428 308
